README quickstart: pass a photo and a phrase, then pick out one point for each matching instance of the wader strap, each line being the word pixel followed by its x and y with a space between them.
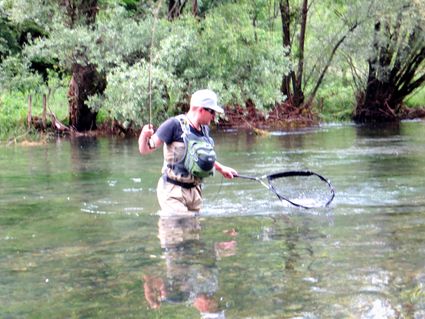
pixel 181 184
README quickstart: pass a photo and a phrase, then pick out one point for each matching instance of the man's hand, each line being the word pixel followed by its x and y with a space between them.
pixel 226 171
pixel 148 141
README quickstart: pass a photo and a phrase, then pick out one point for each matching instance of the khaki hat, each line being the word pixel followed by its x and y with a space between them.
pixel 206 99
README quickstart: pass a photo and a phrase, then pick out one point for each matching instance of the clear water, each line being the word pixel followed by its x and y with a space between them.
pixel 80 236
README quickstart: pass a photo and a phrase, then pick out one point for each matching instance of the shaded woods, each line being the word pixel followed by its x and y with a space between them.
pixel 280 64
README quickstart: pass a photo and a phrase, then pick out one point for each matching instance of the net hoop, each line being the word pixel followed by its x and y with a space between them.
pixel 274 176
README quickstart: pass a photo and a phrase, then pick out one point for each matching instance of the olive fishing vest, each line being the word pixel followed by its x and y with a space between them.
pixel 181 158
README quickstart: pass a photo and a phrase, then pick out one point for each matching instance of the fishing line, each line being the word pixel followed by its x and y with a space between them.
pixel 219 190
pixel 155 18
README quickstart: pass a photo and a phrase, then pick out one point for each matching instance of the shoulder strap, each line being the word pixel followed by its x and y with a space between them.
pixel 205 130
pixel 184 123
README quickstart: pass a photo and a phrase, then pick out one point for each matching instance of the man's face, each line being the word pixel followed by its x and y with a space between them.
pixel 207 115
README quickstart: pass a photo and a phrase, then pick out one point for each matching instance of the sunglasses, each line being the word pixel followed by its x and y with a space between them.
pixel 212 112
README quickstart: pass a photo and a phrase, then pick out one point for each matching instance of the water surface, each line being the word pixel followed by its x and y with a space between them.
pixel 80 234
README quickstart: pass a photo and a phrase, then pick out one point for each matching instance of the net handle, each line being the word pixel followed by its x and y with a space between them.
pixel 253 178
pixel 258 179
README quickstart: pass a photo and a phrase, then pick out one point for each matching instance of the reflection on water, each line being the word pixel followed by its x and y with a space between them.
pixel 191 274
pixel 80 233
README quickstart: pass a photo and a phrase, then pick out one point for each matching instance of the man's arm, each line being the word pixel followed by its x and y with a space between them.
pixel 146 135
pixel 226 171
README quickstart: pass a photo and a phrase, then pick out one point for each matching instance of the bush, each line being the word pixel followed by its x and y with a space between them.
pixel 126 97
pixel 230 56
pixel 336 102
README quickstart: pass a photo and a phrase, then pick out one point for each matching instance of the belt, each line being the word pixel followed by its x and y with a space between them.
pixel 178 183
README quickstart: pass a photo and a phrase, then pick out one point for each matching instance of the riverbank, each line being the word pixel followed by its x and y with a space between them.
pixel 283 116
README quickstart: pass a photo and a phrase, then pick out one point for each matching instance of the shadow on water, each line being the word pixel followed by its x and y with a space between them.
pixel 378 130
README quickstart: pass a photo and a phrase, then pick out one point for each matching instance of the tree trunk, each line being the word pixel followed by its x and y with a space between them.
pixel 375 104
pixel 286 39
pixel 395 71
pixel 85 81
pixel 175 8
pixel 82 11
pixel 372 105
pixel 292 82
pixel 195 8
pixel 328 64
pixel 298 91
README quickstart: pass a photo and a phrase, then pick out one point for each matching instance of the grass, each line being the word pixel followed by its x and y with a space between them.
pixel 417 99
pixel 14 112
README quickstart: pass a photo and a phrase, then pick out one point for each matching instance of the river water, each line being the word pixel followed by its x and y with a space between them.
pixel 80 234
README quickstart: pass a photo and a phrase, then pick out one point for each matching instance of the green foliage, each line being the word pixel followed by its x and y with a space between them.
pixel 336 102
pixel 114 40
pixel 8 37
pixel 228 55
pixel 326 25
pixel 417 99
pixel 234 48
pixel 14 106
pixel 138 8
pixel 399 19
pixel 41 13
pixel 126 97
pixel 12 114
pixel 16 75
pixel 67 46
pixel 119 40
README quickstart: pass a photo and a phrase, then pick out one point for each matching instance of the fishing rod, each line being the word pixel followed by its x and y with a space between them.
pixel 151 144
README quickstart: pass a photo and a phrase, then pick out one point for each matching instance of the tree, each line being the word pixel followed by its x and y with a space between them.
pixel 8 37
pixel 85 80
pixel 65 25
pixel 15 74
pixel 295 38
pixel 175 8
pixel 292 83
pixel 93 54
pixel 231 56
pixel 396 66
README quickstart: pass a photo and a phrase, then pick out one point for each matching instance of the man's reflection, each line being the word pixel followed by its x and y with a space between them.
pixel 191 271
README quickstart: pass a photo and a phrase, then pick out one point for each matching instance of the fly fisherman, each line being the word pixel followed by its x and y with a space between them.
pixel 188 154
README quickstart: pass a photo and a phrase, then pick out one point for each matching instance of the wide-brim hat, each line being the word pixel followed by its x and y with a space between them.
pixel 206 99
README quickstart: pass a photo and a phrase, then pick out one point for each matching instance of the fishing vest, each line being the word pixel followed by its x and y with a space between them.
pixel 191 160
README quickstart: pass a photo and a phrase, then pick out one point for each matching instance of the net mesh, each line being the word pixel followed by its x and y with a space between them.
pixel 303 189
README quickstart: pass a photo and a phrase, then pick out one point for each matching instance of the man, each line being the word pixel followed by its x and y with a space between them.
pixel 188 154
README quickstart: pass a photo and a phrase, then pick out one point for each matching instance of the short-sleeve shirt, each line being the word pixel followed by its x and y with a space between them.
pixel 171 131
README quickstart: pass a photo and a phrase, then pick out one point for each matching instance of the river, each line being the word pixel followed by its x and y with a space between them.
pixel 81 237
